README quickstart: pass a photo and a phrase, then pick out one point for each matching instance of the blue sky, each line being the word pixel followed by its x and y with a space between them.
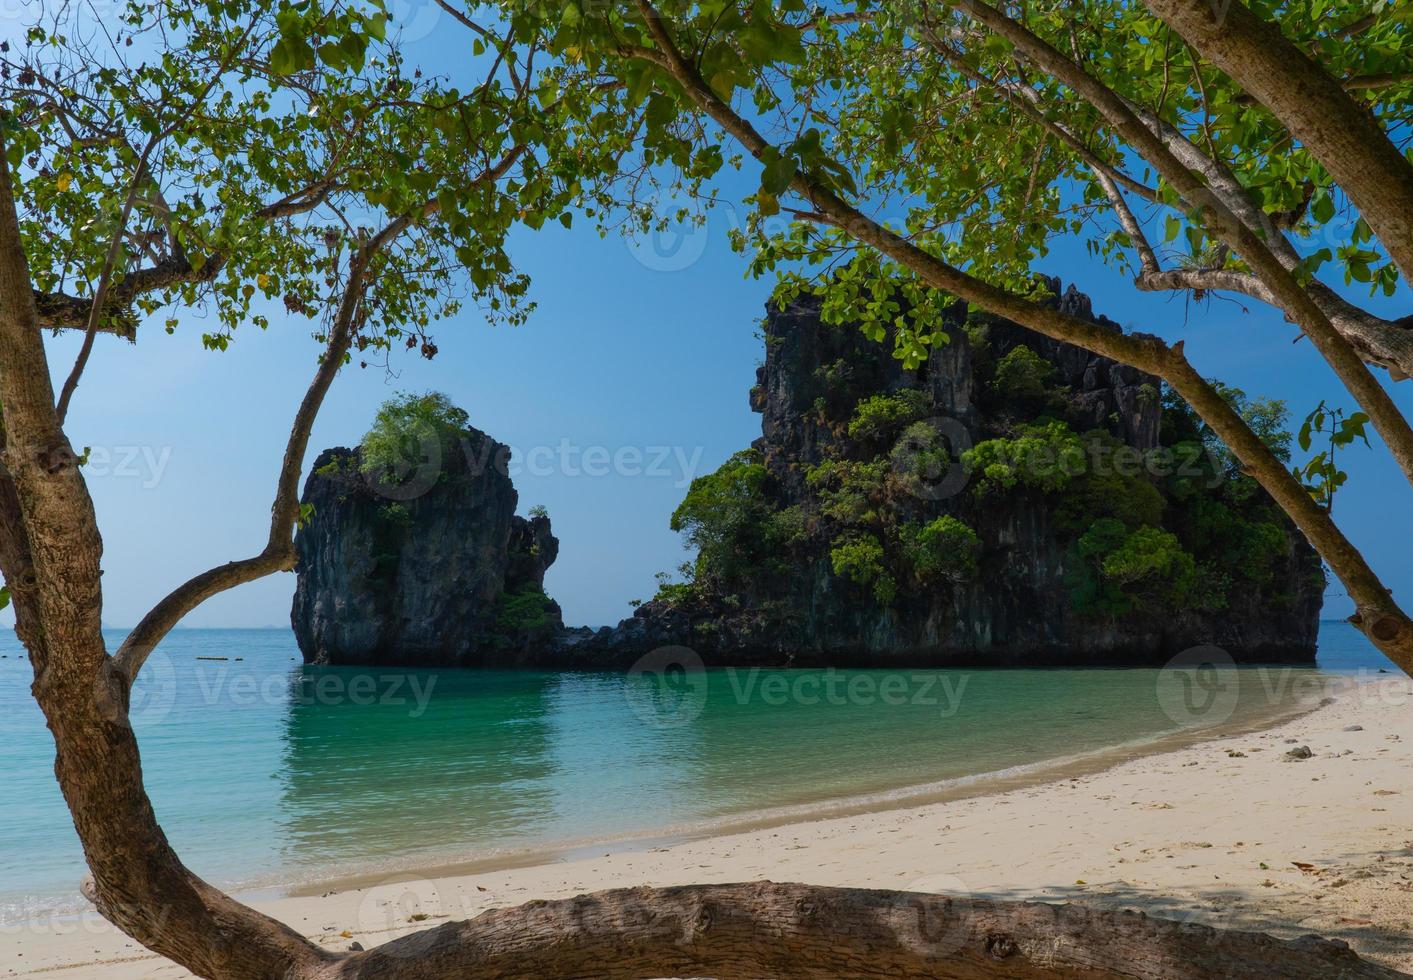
pixel 626 349
pixel 639 348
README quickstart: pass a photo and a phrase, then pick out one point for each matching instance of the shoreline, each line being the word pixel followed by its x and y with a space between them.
pixel 1283 692
pixel 957 789
pixel 1222 830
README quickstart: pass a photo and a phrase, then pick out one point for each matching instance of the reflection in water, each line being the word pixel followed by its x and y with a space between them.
pixel 266 771
pixel 498 760
pixel 437 756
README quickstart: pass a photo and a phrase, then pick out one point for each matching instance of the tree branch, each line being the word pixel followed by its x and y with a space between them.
pixel 810 932
pixel 1387 343
pixel 1148 260
pixel 1246 241
pixel 62 311
pixel 105 280
pixel 1380 618
pixel 1025 98
pixel 278 554
pixel 1312 105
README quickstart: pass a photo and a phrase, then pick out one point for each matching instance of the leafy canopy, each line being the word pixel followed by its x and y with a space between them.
pixel 257 145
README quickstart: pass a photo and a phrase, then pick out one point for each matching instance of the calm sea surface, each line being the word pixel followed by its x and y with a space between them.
pixel 265 772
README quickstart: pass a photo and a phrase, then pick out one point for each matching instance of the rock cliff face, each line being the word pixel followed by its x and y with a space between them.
pixel 1090 522
pixel 436 570
pixel 1011 501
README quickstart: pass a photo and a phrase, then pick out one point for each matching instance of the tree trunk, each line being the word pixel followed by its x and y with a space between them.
pixel 1340 132
pixel 786 930
pixel 50 551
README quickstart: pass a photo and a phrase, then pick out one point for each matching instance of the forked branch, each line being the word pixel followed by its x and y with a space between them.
pixel 278 554
pixel 1222 223
pixel 1313 105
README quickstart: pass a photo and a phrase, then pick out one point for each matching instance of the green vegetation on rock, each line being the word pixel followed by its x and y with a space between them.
pixel 739 531
pixel 1044 456
pixel 884 416
pixel 1137 532
pixel 1023 376
pixel 941 549
pixel 524 611
pixel 405 427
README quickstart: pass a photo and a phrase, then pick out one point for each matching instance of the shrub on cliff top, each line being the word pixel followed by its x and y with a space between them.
pixel 404 426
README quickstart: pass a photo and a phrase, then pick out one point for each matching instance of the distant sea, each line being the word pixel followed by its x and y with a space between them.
pixel 267 774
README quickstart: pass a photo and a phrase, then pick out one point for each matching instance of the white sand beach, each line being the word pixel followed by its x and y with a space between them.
pixel 1228 832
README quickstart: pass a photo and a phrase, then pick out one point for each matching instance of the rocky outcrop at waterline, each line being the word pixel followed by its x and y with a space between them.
pixel 433 569
pixel 1009 501
pixel 1012 501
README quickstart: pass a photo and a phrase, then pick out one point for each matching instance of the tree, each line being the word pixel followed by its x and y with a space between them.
pixel 983 126
pixel 192 162
pixel 258 116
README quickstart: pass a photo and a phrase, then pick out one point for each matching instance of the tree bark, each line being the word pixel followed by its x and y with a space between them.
pixel 764 929
pixel 51 551
pixel 1340 132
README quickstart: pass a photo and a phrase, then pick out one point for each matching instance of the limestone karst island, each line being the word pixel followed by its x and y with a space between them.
pixel 703 488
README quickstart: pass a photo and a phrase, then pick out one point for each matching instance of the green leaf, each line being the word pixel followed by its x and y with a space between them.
pixel 661 110
pixel 1322 209
pixel 776 177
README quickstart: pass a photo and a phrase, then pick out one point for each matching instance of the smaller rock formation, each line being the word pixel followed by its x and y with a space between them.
pixel 434 569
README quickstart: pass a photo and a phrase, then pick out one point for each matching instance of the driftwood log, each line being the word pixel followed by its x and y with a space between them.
pixel 763 929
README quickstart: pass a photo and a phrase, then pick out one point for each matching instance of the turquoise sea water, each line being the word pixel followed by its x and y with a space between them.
pixel 265 772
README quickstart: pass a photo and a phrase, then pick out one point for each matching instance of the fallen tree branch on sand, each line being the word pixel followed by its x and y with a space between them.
pixel 763 929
